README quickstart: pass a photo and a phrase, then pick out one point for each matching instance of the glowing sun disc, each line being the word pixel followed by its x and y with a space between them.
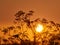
pixel 39 28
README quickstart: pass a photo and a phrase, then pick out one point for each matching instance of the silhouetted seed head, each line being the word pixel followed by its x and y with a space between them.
pixel 44 20
pixel 19 13
pixel 16 36
pixel 28 22
pixel 38 19
pixel 58 25
pixel 17 19
pixel 32 21
pixel 49 27
pixel 11 27
pixel 31 11
pixel 19 27
pixel 5 30
pixel 52 22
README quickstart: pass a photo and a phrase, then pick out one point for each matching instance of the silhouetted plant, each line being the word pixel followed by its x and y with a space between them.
pixel 18 27
pixel 6 41
pixel 16 36
pixel 50 33
pixel 19 13
pixel 53 23
pixel 21 16
pixel 5 30
pixel 44 20
pixel 11 27
pixel 53 40
pixel 24 34
pixel 30 12
pixel 58 25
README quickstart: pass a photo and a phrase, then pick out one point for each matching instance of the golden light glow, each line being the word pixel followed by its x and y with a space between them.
pixel 39 28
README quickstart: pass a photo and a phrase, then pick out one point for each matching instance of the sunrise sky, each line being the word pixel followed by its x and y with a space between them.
pixel 49 9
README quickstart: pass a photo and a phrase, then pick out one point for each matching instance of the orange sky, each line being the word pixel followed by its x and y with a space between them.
pixel 49 9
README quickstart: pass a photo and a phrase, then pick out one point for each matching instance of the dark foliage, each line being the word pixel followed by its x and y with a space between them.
pixel 5 30
pixel 16 36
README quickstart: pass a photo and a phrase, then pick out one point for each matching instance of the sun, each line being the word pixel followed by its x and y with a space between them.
pixel 39 28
